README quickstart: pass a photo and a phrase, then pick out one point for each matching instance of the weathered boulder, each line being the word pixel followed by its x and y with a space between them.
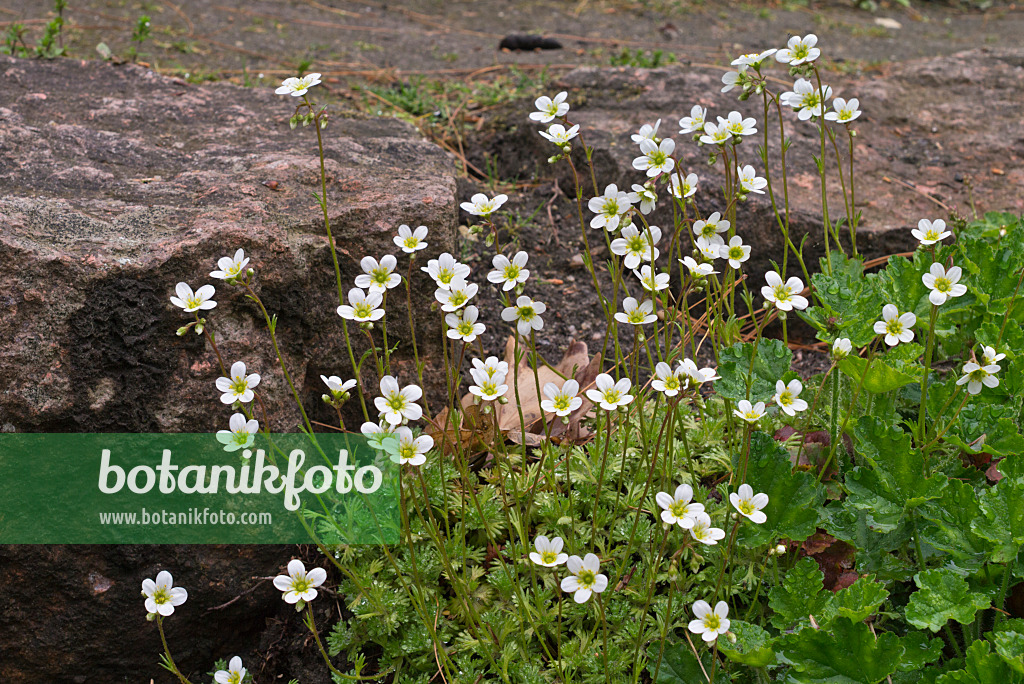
pixel 116 183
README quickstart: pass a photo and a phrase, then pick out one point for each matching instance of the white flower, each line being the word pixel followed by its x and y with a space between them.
pixel 731 79
pixel 549 552
pixel 509 273
pixel 463 325
pixel 637 245
pixel 336 385
pixel 557 134
pixel 943 284
pixel 666 380
pixel 737 125
pixel 896 328
pixel 657 157
pixel 526 313
pixel 162 597
pixel 736 252
pixel 976 375
pixel 788 397
pixel 362 307
pixel 585 579
pixel 750 181
pixel 233 675
pixel 708 249
pixel 241 434
pixel 786 296
pixel 989 356
pixel 841 348
pixel 710 624
pixel 751 414
pixel 411 450
pixel 844 111
pixel 652 282
pixel 480 205
pixel 609 208
pixel 695 122
pixel 646 196
pixel 561 401
pixel 806 98
pixel 445 269
pixel 230 267
pixel 492 366
pixel 711 228
pixel 799 50
pixel 456 295
pixel 678 508
pixel 698 375
pixel 398 405
pixel 409 240
pixel 687 188
pixel 487 387
pixel 647 132
pixel 193 301
pixel 636 313
pixel 378 276
pixel 297 87
pixel 239 386
pixel 699 270
pixel 715 134
pixel 703 532
pixel 749 504
pixel 377 433
pixel 610 395
pixel 297 585
pixel 754 59
pixel 930 232
pixel 549 109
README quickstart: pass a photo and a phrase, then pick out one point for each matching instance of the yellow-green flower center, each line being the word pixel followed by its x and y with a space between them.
pixel 396 402
pixel 300 585
pixel 411 242
pixel 586 578
pixel 657 158
pixel 362 310
pixel 931 234
pixel 785 398
pixel 611 396
pixel 445 275
pixel 562 402
pixel 161 596
pixel 548 557
pixel 380 276
pixel 457 298
pixel 943 284
pixel 810 100
pixel 610 207
pixel 801 51
pixel 525 313
pixel 781 292
pixel 746 507
pixel 465 328
pixel 511 272
pixel 712 622
pixel 894 327
pixel 636 316
pixel 194 302
pixel 678 509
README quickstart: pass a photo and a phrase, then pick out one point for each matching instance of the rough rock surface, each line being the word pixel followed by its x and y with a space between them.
pixel 116 183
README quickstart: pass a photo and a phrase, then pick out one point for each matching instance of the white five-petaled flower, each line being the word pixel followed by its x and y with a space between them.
pixel 715 134
pixel 650 281
pixel 162 597
pixel 241 434
pixel 750 181
pixel 609 208
pixel 696 375
pixel 749 504
pixel 456 295
pixel 558 134
pixel 636 313
pixel 491 366
pixel 549 552
pixel 930 232
pixel 975 376
pixel 409 240
pixel 784 295
pixel 445 269
pixel 378 276
pixel 699 270
pixel 636 245
pixel 806 98
pixel 709 249
pixel 799 50
pixel 943 284
pixel 549 109
pixel 736 252
pixel 896 327
pixel 509 273
pixel 230 267
pixel 711 229
pixel 788 397
pixel 666 379
pixel 989 356
pixel 841 348
pixel 527 315
pixel 685 188
pixel 200 300
pixel 703 532
pixel 298 585
pixel 737 125
pixel 362 307
pixel 610 395
pixel 239 386
pixel 678 508
pixel 657 157
pixel 754 59
pixel 411 450
pixel 463 325
pixel 233 675
pixel 487 387
pixel 585 578
pixel 561 400
pixel 377 434
pixel 483 206
pixel 844 111
pixel 647 132
pixel 336 385
pixel 695 122
pixel 297 87
pixel 751 414
pixel 646 196
pixel 397 405
pixel 731 79
pixel 710 624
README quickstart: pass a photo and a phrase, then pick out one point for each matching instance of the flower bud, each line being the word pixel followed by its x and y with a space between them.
pixel 183 329
pixel 150 616
pixel 780 549
pixel 731 637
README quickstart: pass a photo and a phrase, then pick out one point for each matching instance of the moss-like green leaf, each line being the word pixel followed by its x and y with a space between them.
pixel 848 653
pixel 773 359
pixel 942 596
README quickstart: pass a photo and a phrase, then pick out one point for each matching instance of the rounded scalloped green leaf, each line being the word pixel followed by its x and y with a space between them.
pixel 848 653
pixel 1010 647
pixel 678 664
pixel 942 596
pixel 800 595
pixel 1003 518
pixel 860 600
pixel 773 359
pixel 753 645
pixel 880 377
